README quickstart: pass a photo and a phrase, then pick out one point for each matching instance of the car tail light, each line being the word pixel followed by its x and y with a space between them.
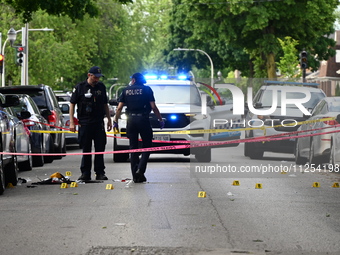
pixel 52 118
pixel 28 122
pixel 75 122
pixel 330 122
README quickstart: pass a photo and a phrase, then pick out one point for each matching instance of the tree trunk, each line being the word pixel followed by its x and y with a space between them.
pixel 271 66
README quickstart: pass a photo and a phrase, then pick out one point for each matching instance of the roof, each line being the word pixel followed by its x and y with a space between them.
pixel 271 87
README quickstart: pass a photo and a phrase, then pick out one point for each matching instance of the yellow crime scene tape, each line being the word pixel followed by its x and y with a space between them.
pixel 205 131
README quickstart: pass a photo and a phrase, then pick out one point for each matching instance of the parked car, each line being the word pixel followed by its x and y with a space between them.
pixel 41 142
pixel 317 149
pixel 22 137
pixel 63 97
pixel 334 156
pixel 71 138
pixel 8 162
pixel 272 122
pixel 47 103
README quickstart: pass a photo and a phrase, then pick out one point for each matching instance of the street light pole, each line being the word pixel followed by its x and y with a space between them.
pixel 24 41
pixel 211 63
pixel 11 36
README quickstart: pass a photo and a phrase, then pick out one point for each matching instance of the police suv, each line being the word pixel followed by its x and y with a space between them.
pixel 184 109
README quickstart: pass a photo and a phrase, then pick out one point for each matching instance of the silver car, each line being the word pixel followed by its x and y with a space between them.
pixel 317 149
pixel 71 138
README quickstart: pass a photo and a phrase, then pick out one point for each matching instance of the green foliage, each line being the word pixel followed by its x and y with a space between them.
pixel 75 9
pixel 122 40
pixel 337 90
pixel 253 27
pixel 288 63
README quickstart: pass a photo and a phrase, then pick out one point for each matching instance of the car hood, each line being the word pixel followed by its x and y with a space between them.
pixel 178 108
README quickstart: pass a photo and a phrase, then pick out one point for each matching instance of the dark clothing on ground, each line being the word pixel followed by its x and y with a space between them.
pixel 137 100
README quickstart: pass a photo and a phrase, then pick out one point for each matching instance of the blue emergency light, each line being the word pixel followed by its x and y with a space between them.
pixel 182 77
pixel 173 117
pixel 150 77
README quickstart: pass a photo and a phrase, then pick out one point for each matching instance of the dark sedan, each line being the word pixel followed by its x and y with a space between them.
pixel 41 142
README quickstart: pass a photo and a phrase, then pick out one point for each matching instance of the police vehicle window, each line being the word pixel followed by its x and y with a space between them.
pixel 268 99
pixel 176 94
pixel 334 107
pixel 318 108
pixel 258 96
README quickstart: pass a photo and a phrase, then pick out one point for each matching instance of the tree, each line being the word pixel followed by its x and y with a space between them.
pixel 288 63
pixel 75 9
pixel 255 26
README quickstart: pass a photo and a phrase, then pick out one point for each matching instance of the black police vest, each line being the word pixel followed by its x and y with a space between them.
pixel 91 104
pixel 137 99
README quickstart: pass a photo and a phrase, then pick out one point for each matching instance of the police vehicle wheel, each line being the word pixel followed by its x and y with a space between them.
pixel 119 157
pixel 246 149
pixel 203 155
pixel 254 151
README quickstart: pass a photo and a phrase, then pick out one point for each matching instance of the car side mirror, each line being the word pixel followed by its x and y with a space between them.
pixel 257 105
pixel 338 118
pixel 11 100
pixel 210 102
pixel 45 113
pixel 113 101
pixel 65 108
pixel 24 115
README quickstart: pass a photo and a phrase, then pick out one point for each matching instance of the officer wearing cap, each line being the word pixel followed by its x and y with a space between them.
pixel 91 100
pixel 139 102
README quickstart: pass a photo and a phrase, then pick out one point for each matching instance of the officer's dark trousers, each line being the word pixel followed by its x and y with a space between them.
pixel 139 125
pixel 87 134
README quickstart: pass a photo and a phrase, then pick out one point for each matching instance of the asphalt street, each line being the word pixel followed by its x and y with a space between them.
pixel 279 213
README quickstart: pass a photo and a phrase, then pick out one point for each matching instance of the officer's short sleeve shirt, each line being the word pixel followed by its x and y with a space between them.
pixel 137 98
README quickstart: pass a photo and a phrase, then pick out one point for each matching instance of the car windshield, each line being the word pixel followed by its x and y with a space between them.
pixel 176 94
pixel 24 106
pixel 267 99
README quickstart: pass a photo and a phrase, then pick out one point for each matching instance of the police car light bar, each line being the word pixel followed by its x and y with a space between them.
pixel 150 77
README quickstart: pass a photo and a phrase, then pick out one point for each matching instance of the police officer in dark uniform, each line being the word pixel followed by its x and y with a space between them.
pixel 139 102
pixel 91 100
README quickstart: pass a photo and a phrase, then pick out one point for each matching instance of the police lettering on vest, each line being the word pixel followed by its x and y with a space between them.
pixel 132 92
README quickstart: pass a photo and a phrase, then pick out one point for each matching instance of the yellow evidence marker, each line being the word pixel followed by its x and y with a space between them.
pixel 236 183
pixel 74 184
pixel 202 194
pixel 258 186
pixel 109 186
pixel 316 185
pixel 335 185
pixel 64 185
